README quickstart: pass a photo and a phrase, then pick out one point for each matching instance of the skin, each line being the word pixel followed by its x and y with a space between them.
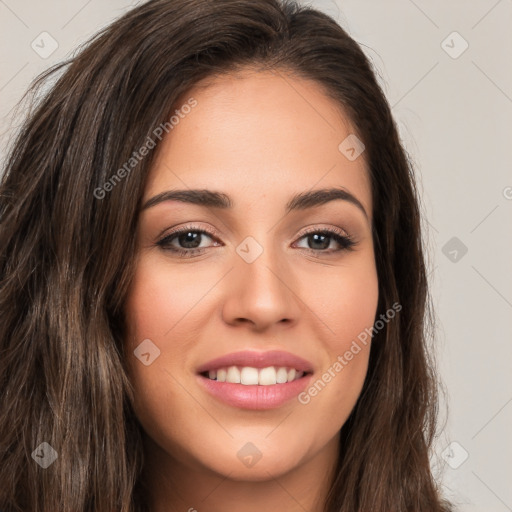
pixel 259 137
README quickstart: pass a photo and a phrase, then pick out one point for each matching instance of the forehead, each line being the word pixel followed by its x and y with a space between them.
pixel 259 135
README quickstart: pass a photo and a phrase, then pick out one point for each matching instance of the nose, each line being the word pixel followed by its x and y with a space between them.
pixel 261 293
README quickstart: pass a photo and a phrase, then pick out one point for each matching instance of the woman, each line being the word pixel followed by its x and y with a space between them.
pixel 213 290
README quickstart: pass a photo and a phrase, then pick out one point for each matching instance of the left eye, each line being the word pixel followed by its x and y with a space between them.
pixel 324 239
pixel 189 240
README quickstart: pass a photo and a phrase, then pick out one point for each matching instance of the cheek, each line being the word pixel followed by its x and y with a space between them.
pixel 156 309
pixel 160 299
pixel 345 301
pixel 347 305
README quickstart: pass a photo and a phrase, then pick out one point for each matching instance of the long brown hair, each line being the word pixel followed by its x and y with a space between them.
pixel 67 254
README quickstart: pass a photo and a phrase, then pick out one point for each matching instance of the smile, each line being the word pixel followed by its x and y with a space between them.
pixel 250 376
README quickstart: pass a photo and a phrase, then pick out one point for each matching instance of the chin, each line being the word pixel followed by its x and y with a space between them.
pixel 256 460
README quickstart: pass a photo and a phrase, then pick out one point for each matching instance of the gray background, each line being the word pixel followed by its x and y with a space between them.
pixel 454 111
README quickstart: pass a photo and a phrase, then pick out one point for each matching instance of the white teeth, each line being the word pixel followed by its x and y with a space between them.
pixel 233 375
pixel 250 376
pixel 267 376
pixel 282 376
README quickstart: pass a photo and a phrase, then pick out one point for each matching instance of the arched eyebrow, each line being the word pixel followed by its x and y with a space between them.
pixel 214 199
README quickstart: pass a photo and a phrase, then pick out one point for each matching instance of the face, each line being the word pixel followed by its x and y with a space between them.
pixel 278 287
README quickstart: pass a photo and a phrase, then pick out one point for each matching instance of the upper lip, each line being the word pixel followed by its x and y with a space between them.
pixel 256 359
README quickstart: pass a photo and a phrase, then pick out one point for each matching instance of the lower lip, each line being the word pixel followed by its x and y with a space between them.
pixel 255 397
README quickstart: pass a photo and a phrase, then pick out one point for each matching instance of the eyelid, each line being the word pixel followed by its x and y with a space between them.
pixel 191 227
pixel 317 229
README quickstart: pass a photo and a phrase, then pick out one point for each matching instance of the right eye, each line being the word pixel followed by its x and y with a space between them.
pixel 190 237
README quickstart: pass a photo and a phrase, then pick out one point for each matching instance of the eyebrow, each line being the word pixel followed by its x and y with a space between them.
pixel 213 199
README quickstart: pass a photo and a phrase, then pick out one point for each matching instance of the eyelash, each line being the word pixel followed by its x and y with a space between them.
pixel 347 243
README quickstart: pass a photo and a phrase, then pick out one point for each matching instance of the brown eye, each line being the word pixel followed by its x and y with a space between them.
pixel 185 242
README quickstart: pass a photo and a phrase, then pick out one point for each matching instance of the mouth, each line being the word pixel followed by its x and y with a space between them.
pixel 255 380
